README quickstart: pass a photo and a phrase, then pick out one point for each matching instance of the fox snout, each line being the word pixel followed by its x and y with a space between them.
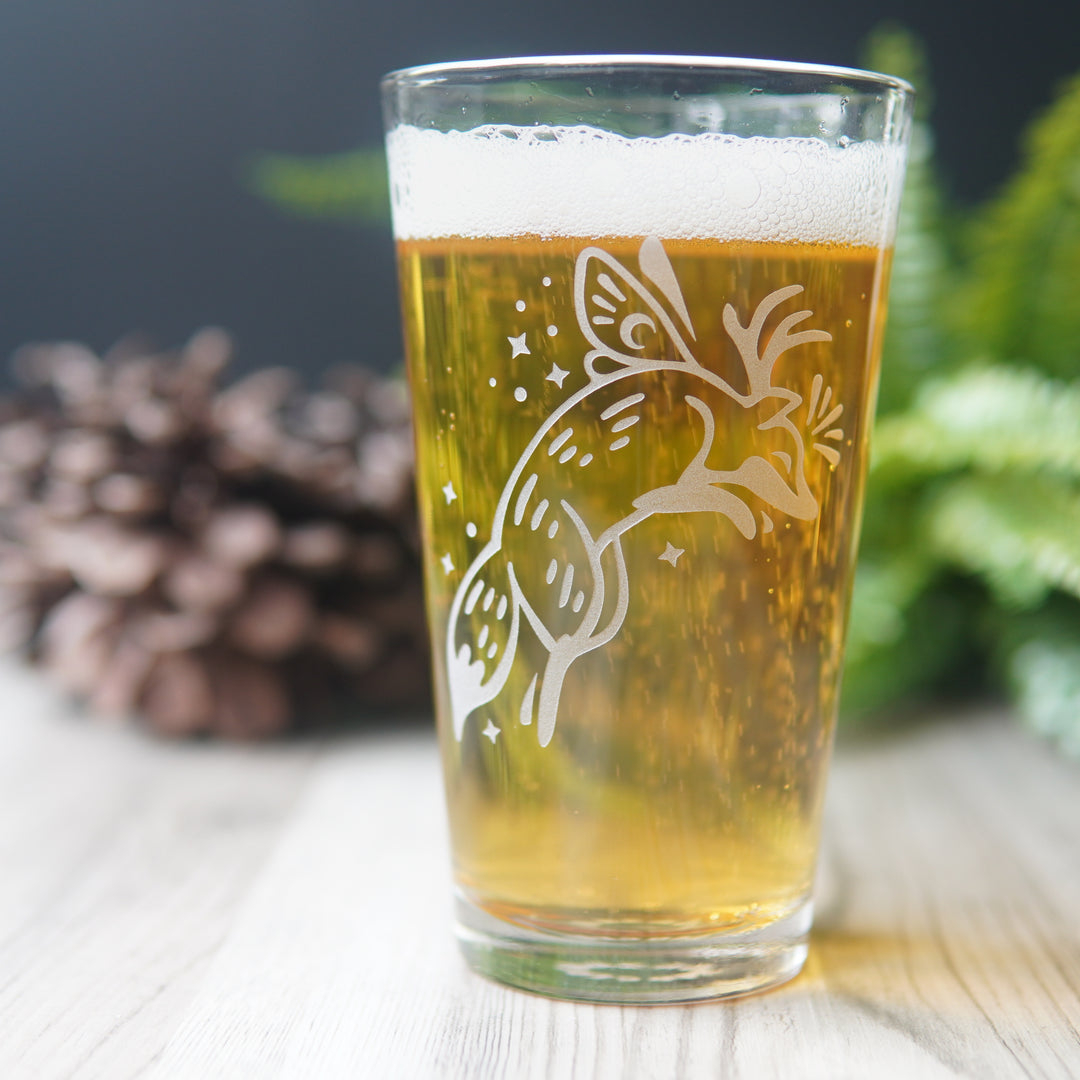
pixel 773 470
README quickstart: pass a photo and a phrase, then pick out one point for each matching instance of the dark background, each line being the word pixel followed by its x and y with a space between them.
pixel 126 126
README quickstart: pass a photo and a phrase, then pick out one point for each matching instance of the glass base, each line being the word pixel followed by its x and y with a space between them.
pixel 634 971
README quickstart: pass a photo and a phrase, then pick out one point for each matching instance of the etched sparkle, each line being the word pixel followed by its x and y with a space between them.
pixel 491 731
pixel 518 346
pixel 556 375
pixel 449 492
pixel 671 553
pixel 447 563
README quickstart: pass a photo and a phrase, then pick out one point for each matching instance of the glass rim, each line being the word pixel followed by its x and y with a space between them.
pixel 519 66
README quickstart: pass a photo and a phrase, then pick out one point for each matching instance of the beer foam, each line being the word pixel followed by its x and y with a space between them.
pixel 583 182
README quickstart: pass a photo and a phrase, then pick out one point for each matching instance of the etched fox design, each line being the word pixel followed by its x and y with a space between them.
pixel 654 389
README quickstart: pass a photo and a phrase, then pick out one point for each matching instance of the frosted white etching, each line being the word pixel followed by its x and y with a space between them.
pixel 557 375
pixel 645 389
pixel 671 554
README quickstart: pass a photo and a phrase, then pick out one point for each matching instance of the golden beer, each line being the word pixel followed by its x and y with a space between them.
pixel 678 789
pixel 643 368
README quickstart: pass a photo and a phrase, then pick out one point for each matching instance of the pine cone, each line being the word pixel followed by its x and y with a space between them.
pixel 232 561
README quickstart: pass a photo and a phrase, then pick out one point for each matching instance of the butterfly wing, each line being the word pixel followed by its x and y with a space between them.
pixel 621 318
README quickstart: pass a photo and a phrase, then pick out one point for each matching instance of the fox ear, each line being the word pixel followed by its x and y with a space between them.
pixel 656 266
pixel 621 318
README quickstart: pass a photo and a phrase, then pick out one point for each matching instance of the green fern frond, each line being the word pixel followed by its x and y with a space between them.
pixel 883 592
pixel 1020 534
pixel 922 277
pixel 902 651
pixel 892 48
pixel 1023 301
pixel 975 477
pixel 993 420
pixel 350 187
pixel 1044 674
pixel 915 343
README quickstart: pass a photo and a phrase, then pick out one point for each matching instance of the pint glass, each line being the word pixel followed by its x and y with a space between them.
pixel 643 302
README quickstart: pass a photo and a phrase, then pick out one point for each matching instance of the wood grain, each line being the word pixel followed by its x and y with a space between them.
pixel 121 863
pixel 283 912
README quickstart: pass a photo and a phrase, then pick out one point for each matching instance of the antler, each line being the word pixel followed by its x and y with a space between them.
pixel 747 339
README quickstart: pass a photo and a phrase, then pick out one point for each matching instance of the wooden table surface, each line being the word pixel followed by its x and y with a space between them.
pixel 212 911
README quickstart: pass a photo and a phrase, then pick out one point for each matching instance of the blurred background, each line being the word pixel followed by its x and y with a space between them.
pixel 170 166
pixel 130 128
pixel 225 547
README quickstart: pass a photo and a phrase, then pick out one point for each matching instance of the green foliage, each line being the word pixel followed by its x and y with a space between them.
pixel 348 187
pixel 921 275
pixel 1044 674
pixel 970 566
pixel 894 50
pixel 907 634
pixel 994 419
pixel 915 342
pixel 1022 302
pixel 1019 534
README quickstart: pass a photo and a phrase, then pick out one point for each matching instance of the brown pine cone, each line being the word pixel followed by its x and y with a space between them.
pixel 232 561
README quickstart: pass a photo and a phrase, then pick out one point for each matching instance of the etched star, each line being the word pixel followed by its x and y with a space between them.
pixel 447 563
pixel 491 731
pixel 449 492
pixel 671 553
pixel 556 375
pixel 518 346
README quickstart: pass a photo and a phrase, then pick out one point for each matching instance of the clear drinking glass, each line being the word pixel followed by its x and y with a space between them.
pixel 643 301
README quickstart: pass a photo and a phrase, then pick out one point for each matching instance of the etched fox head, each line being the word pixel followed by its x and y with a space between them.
pixel 631 327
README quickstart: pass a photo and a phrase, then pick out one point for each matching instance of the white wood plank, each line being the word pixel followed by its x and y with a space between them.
pixel 345 934
pixel 937 929
pixel 948 947
pixel 283 912
pixel 122 860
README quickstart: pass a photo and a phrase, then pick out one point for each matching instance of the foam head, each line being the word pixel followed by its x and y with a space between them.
pixel 582 182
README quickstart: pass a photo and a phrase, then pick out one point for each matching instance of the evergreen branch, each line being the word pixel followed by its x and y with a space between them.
pixel 350 187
